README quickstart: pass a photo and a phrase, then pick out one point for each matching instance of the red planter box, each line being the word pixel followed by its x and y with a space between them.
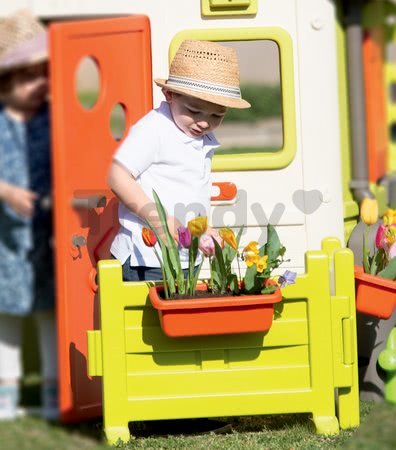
pixel 375 296
pixel 214 315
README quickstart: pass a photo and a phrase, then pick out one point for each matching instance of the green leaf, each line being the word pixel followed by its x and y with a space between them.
pixel 390 270
pixel 221 266
pixel 168 268
pixel 250 278
pixel 273 246
pixel 232 280
pixel 192 256
pixel 366 254
pixel 173 249
pixel 270 289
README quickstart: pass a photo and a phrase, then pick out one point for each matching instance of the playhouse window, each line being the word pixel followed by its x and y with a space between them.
pixel 259 128
pixel 264 136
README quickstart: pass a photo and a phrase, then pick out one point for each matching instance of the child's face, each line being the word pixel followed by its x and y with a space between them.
pixel 195 117
pixel 28 87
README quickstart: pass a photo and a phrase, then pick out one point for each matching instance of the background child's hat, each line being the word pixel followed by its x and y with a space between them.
pixel 23 41
pixel 208 71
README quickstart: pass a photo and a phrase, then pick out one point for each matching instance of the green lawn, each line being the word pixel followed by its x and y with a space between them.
pixel 261 432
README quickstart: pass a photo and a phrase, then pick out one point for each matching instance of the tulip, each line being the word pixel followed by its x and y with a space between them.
pixel 206 245
pixel 184 236
pixel 149 237
pixel 262 263
pixel 380 237
pixel 369 211
pixel 198 226
pixel 252 247
pixel 392 251
pixel 229 236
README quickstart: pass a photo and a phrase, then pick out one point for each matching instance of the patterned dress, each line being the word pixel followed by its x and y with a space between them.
pixel 26 261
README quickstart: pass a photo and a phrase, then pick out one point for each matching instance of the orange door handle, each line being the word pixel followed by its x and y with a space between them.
pixel 228 191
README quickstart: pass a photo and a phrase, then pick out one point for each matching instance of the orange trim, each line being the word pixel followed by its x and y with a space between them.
pixel 374 78
pixel 228 191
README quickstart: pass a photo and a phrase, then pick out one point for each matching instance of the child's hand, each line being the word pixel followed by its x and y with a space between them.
pixel 19 199
pixel 173 225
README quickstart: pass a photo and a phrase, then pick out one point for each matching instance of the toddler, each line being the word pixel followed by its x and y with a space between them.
pixel 170 151
pixel 26 266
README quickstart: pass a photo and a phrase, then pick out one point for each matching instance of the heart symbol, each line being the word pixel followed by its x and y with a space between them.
pixel 307 201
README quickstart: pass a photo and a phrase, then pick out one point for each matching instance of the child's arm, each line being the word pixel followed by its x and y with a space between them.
pixel 19 199
pixel 129 192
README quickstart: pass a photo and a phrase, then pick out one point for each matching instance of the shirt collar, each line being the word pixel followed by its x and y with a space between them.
pixel 210 141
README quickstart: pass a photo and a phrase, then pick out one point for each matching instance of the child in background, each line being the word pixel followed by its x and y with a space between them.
pixel 26 262
pixel 170 150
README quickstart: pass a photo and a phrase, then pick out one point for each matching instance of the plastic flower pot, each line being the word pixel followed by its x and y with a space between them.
pixel 214 315
pixel 375 296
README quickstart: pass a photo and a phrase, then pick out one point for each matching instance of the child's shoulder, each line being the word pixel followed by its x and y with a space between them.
pixel 154 119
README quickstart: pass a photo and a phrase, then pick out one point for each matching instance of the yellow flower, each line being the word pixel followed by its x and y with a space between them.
pixel 390 235
pixel 229 236
pixel 369 211
pixel 252 247
pixel 251 259
pixel 198 226
pixel 262 263
pixel 390 217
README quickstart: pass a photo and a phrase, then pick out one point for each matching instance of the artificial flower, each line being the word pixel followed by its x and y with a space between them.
pixel 262 263
pixel 251 259
pixel 252 247
pixel 206 245
pixel 198 226
pixel 229 236
pixel 385 237
pixel 390 217
pixel 149 237
pixel 288 277
pixel 184 236
pixel 369 211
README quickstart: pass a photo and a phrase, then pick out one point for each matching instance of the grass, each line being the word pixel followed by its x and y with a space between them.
pixel 295 431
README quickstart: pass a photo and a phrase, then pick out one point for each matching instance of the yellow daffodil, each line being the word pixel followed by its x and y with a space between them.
pixel 390 217
pixel 229 236
pixel 390 235
pixel 251 259
pixel 198 226
pixel 369 211
pixel 252 247
pixel 262 263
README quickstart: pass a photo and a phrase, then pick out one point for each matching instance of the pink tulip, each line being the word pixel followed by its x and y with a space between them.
pixel 392 251
pixel 184 236
pixel 380 240
pixel 206 245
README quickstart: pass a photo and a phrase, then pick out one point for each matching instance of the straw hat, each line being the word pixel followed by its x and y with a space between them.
pixel 23 41
pixel 208 71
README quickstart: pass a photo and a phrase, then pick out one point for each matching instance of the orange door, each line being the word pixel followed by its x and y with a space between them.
pixel 85 211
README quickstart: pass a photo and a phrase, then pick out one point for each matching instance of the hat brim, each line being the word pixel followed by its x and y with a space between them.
pixel 36 59
pixel 228 102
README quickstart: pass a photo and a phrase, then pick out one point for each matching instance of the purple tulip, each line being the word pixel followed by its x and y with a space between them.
pixel 206 245
pixel 184 236
pixel 288 277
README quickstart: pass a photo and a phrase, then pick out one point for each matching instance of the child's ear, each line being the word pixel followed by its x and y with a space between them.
pixel 168 94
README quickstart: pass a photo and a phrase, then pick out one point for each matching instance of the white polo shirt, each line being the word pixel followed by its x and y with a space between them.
pixel 178 167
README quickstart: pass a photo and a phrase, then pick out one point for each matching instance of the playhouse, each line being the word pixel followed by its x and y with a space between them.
pixel 338 145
